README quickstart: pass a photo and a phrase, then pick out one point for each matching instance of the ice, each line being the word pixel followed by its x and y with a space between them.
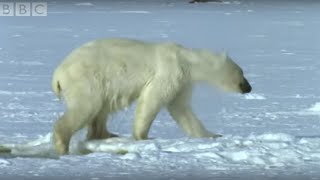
pixel 255 151
pixel 4 163
pixel 131 12
pixel 16 35
pixel 41 147
pixel 315 107
pixel 254 96
pixel 313 110
pixel 84 4
pixel 275 137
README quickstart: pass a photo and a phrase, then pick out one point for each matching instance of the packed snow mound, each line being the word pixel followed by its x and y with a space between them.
pixel 313 110
pixel 84 4
pixel 41 147
pixel 315 107
pixel 4 163
pixel 254 96
pixel 264 151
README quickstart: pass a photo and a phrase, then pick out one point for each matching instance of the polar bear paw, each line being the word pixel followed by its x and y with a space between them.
pixel 214 136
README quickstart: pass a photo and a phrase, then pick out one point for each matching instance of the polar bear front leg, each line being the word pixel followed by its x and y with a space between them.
pixel 181 112
pixel 149 104
pixel 145 114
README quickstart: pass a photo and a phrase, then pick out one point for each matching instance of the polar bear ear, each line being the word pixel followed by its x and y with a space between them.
pixel 224 54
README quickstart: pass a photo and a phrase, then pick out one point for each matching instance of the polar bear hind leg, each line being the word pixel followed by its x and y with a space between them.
pixel 97 127
pixel 77 116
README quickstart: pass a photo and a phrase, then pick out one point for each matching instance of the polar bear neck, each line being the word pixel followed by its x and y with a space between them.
pixel 205 65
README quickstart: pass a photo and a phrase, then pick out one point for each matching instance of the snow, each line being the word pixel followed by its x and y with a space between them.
pixel 4 163
pixel 271 133
pixel 131 12
pixel 254 96
pixel 84 4
pixel 255 151
pixel 315 108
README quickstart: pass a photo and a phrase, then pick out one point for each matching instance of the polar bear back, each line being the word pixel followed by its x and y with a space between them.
pixel 118 69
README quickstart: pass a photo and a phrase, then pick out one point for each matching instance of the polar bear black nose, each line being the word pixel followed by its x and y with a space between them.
pixel 245 86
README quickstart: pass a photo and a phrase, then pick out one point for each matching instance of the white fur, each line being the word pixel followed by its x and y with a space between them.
pixel 105 76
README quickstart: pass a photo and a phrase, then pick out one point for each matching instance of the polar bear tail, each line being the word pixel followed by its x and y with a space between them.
pixel 56 87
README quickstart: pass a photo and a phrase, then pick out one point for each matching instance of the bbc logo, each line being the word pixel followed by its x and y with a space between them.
pixel 23 9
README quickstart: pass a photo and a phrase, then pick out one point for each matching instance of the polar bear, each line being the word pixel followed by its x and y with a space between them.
pixel 107 75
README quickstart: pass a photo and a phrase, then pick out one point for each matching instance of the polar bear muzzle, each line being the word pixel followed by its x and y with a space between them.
pixel 245 86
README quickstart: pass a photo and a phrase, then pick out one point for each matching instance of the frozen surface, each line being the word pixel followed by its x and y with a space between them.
pixel 273 133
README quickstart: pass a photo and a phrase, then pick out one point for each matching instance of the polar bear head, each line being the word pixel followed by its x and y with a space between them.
pixel 228 75
pixel 219 70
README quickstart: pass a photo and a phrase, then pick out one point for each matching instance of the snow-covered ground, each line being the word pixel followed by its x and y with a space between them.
pixel 272 133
